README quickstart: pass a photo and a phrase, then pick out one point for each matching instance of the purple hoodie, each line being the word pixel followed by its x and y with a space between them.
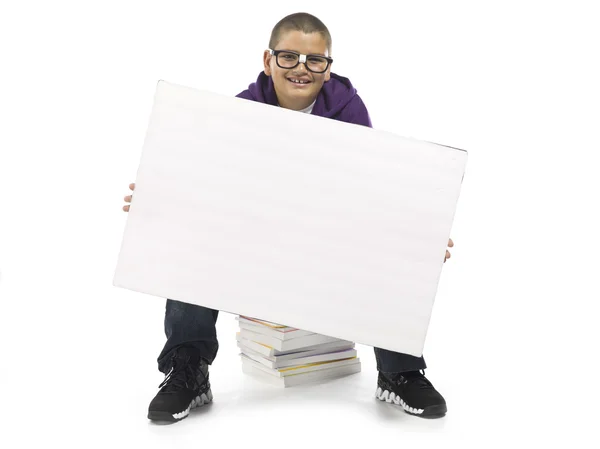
pixel 337 99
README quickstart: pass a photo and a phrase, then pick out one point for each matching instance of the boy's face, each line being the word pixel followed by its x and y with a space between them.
pixel 289 94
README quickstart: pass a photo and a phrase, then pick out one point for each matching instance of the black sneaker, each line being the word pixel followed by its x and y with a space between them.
pixel 185 387
pixel 413 392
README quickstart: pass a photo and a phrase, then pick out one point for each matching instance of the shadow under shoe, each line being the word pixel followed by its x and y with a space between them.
pixel 185 387
pixel 413 392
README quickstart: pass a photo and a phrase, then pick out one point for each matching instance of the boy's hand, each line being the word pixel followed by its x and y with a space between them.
pixel 128 197
pixel 448 255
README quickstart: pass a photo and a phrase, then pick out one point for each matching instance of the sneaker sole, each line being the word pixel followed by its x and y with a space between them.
pixel 198 401
pixel 434 411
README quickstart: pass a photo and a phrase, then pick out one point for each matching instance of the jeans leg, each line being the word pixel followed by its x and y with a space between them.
pixel 397 362
pixel 191 326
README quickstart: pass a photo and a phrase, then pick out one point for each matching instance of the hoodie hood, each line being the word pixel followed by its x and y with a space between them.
pixel 337 100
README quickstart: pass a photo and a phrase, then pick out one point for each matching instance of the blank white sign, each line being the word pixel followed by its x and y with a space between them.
pixel 318 224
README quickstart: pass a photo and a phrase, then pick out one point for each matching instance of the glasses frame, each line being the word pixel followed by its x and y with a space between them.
pixel 301 59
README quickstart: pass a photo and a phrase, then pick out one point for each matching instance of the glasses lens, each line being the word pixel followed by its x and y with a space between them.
pixel 316 63
pixel 287 60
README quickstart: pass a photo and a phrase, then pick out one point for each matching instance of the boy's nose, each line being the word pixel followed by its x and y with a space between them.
pixel 300 68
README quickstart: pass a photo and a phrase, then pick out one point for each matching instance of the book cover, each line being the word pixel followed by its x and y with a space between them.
pixel 281 334
pixel 277 364
pixel 301 379
pixel 287 345
pixel 273 354
pixel 248 319
pixel 300 369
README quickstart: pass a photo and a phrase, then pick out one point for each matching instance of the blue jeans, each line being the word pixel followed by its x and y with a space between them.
pixel 193 326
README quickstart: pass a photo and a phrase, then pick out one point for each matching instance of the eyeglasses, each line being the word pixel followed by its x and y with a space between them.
pixel 291 59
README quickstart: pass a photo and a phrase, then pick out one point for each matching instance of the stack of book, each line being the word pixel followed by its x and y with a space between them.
pixel 285 356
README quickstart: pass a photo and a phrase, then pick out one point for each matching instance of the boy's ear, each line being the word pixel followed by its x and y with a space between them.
pixel 267 63
pixel 328 73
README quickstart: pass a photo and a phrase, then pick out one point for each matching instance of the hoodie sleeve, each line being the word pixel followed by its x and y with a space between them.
pixel 355 112
pixel 246 95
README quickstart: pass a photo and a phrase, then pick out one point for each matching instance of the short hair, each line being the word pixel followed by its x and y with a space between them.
pixel 300 21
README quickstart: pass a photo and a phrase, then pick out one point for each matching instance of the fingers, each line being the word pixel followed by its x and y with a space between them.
pixel 128 197
pixel 448 256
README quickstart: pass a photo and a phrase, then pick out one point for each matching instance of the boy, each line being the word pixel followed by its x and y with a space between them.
pixel 297 75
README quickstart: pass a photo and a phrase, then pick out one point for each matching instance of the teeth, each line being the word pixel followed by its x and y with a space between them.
pixel 298 81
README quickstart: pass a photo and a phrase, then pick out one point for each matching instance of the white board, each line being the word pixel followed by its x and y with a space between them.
pixel 318 224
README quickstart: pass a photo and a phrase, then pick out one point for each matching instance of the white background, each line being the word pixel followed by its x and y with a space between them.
pixel 513 342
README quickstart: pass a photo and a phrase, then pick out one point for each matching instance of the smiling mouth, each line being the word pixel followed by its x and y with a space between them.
pixel 298 82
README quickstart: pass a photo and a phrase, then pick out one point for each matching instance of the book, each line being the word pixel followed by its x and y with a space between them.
pixel 304 378
pixel 276 363
pixel 299 369
pixel 281 333
pixel 271 353
pixel 248 319
pixel 287 345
